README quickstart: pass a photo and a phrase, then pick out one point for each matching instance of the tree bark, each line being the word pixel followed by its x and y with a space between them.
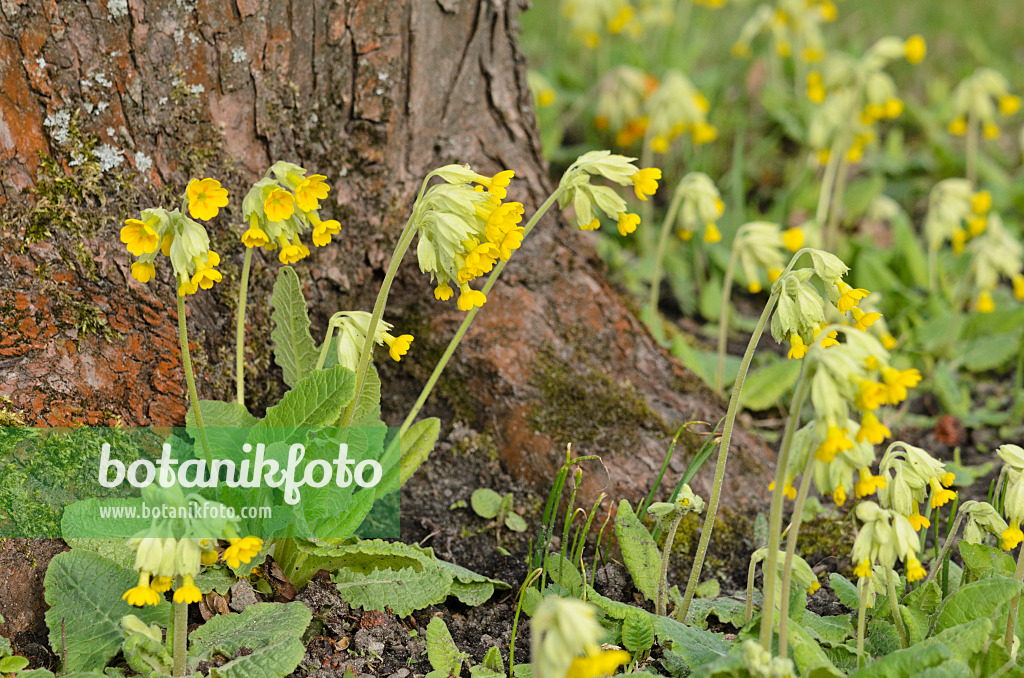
pixel 108 107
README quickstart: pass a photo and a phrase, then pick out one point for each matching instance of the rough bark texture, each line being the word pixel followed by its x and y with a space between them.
pixel 107 107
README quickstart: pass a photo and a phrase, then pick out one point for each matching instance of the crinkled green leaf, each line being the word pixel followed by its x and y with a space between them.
pixel 443 653
pixel 808 655
pixel 640 553
pixel 979 558
pixel 637 631
pixel 294 348
pixel 845 590
pixel 765 386
pixel 403 591
pixel 976 600
pixel 265 636
pixel 696 647
pixel 417 444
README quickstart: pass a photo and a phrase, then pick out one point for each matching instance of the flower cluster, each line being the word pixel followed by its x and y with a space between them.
pixel 178 237
pixel 588 199
pixel 465 229
pixel 284 205
pixel 911 475
pixel 1012 478
pixel 853 95
pixel 982 518
pixel 759 246
pixel 589 19
pixel 696 204
pixel 996 253
pixel 675 108
pixel 979 97
pixel 956 213
pixel 802 573
pixel 794 27
pixel 884 538
pixel 565 639
pixel 352 327
pixel 619 103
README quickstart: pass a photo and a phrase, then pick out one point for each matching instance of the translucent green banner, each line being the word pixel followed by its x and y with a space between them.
pixel 311 483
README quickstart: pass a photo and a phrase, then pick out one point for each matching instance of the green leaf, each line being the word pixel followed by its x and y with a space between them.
pixel 640 553
pixel 637 631
pixel 316 400
pixel 219 579
pixel 728 610
pixel 992 351
pixel 708 589
pixel 902 663
pixel 831 631
pixel 443 653
pixel 925 598
pixel 272 632
pixel 83 524
pixel 403 590
pixel 694 646
pixel 12 664
pixel 979 558
pixel 294 349
pixel 417 444
pixel 909 249
pixel 515 522
pixel 485 502
pixel 765 386
pixel 974 601
pixel 83 590
pixel 808 655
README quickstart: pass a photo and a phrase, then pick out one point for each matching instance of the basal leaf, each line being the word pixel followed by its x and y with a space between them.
pixel 695 646
pixel 316 400
pixel 294 349
pixel 640 553
pixel 443 653
pixel 402 591
pixel 264 641
pixel 845 590
pixel 417 444
pixel 637 631
pixel 979 558
pixel 976 600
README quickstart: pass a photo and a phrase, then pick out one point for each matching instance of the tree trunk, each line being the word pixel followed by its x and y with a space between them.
pixel 108 107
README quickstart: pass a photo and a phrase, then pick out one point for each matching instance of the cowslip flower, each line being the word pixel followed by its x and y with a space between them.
pixel 352 327
pixel 184 241
pixel 205 198
pixel 587 199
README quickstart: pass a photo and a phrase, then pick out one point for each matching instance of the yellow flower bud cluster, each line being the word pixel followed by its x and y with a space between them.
pixel 696 203
pixel 854 95
pixel 956 213
pixel 912 475
pixel 794 27
pixel 589 199
pixel 995 254
pixel 759 246
pixel 885 537
pixel 180 238
pixel 1011 477
pixel 465 229
pixel 982 96
pixel 590 20
pixel 675 108
pixel 619 98
pixel 284 205
pixel 352 327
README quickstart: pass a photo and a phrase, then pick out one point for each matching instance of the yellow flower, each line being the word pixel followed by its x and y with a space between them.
pixel 812 54
pixel 443 292
pixel 139 237
pixel 290 253
pixel 773 274
pixel 981 202
pixel 872 430
pixel 897 382
pixel 849 297
pixel 161 584
pixel 917 521
pixel 1018 287
pixel 985 303
pixel 279 205
pixel 209 557
pixel 497 184
pixel 863 569
pixel 702 133
pixel 398 346
pixel 828 10
pixel 793 239
pixel 835 443
pixel 205 198
pixel 659 144
pixel 545 98
pixel 815 585
pixel 888 341
pixel 255 237
pixel 186 287
pixel 868 484
pixel 862 320
pixel 188 592
pixel 685 236
pixel 645 182
pixel 143 271
pixel 958 240
pixel 310 192
pixel 940 495
pixel 141 595
pixel 754 287
pixel 711 233
pixel 321 238
pixel 205 277
pixel 797 347
pixel 1011 536
pixel 872 395
pixel 893 107
pixel 839 495
pixel 990 130
pixel 1009 104
pixel 914 569
pixel 957 127
pixel 915 49
pixel 628 223
pixel 787 490
pixel 470 298
pixel 601 664
pixel 242 550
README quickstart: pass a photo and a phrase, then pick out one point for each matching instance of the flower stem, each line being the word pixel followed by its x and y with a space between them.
pixel 787 564
pixel 190 378
pixel 832 229
pixel 946 546
pixel 862 586
pixel 751 572
pixel 454 343
pixel 180 638
pixel 326 345
pixel 366 353
pixel 666 228
pixel 243 288
pixel 972 146
pixel 775 515
pixel 666 555
pixel 723 455
pixel 723 317
pixel 1011 619
pixel 895 605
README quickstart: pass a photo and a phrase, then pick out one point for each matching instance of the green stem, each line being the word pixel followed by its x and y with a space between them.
pixel 723 455
pixel 454 343
pixel 832 230
pixel 666 555
pixel 1011 619
pixel 190 378
pixel 515 621
pixel 827 182
pixel 751 572
pixel 894 604
pixel 861 610
pixel 180 638
pixel 723 318
pixel 972 146
pixel 666 229
pixel 1017 416
pixel 775 515
pixel 366 353
pixel 243 288
pixel 787 563
pixel 326 346
pixel 946 546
